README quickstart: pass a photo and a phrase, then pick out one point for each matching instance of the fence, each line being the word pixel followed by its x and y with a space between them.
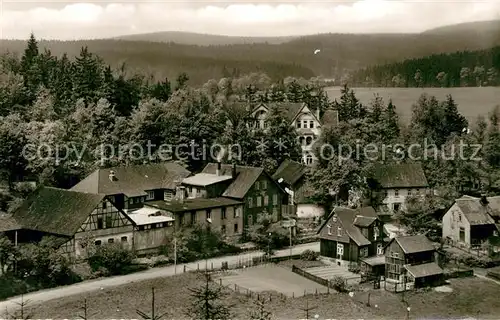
pixel 322 281
pixel 398 286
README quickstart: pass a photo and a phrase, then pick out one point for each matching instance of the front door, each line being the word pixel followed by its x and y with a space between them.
pixel 340 251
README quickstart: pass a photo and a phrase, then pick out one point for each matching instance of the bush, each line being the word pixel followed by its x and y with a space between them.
pixel 309 255
pixel 112 257
pixel 339 284
pixel 354 269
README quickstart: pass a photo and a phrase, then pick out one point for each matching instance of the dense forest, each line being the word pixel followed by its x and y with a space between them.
pixel 460 69
pixel 340 54
pixel 74 107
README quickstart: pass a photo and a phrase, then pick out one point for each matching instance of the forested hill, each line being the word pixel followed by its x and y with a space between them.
pixel 340 54
pixel 466 68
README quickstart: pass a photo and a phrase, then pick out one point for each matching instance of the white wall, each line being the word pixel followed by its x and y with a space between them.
pixel 393 199
pixel 453 220
pixel 309 210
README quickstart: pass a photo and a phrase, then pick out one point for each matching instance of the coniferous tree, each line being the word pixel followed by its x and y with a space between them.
pixel 207 302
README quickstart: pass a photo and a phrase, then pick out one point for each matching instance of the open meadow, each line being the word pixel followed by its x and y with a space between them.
pixel 471 101
pixel 470 298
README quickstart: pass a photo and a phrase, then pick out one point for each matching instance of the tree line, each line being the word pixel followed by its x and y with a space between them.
pixel 460 69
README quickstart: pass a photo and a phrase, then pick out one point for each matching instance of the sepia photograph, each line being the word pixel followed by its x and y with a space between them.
pixel 250 160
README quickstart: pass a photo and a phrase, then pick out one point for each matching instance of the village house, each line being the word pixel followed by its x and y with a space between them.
pixel 307 121
pixel 291 175
pixel 397 182
pixel 349 236
pixel 129 187
pixel 470 222
pixel 77 219
pixel 410 261
pixel 252 186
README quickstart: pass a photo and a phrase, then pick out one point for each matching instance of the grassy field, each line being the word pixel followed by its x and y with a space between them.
pixel 471 101
pixel 471 297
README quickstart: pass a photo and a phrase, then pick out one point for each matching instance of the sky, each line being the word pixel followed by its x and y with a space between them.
pixel 68 20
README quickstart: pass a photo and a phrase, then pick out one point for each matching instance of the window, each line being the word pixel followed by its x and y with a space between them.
pixel 266 200
pixel 104 204
pixel 209 214
pixel 98 243
pixel 235 228
pixel 460 217
pixel 302 140
pixel 275 214
pixel 340 249
pixel 109 222
pixel 386 194
pixel 131 201
pixel 264 185
pixel 396 192
pixel 329 227
pixel 462 234
pixel 159 225
pixel 250 220
pixel 380 249
pixel 223 229
pixel 309 141
pixel 495 233
pixel 111 240
pixel 394 254
pixel 257 185
pixel 376 232
pixel 151 195
pixel 147 227
pixel 299 124
pixel 309 159
pixel 168 195
pixel 275 199
pixel 170 223
pixel 259 201
pixel 124 239
pixel 193 217
pixel 100 224
pixel 237 212
pixel 311 124
pixel 364 252
pixel 223 213
pixel 409 192
pixel 250 202
pixel 339 231
pixel 397 206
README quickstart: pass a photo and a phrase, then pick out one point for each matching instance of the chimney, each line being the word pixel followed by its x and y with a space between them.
pixel 218 171
pixel 112 175
pixel 484 200
pixel 317 112
pixel 181 193
pixel 233 171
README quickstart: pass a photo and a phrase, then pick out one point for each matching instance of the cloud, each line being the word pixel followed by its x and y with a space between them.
pixel 104 19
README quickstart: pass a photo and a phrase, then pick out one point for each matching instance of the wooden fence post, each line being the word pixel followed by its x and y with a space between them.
pixel 220 281
pixel 184 268
pixel 198 266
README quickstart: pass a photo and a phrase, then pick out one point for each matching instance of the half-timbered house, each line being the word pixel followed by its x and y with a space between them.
pixel 73 219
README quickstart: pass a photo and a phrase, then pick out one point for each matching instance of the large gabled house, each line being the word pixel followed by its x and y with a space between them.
pixel 411 262
pixel 252 186
pixel 350 235
pixel 306 120
pixel 471 221
pixel 396 182
pixel 129 187
pixel 75 219
pixel 292 176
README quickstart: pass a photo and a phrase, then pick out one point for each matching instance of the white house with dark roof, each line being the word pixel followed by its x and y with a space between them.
pixel 396 182
pixel 471 221
pixel 128 187
pixel 306 120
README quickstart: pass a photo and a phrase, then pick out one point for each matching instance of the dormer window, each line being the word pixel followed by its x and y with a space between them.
pixel 396 192
pixel 339 231
pixel 376 232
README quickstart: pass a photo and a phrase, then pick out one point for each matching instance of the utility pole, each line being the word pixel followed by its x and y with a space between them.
pixel 290 242
pixel 175 255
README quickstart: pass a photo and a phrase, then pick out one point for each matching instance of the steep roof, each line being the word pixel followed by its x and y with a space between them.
pixel 414 244
pixel 245 178
pixel 8 223
pixel 290 171
pixel 474 211
pixel 404 175
pixel 193 204
pixel 133 180
pixel 56 211
pixel 348 217
pixel 289 109
pixel 494 206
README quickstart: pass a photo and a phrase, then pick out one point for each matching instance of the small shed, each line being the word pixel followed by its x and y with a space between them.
pixel 426 274
pixel 373 267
